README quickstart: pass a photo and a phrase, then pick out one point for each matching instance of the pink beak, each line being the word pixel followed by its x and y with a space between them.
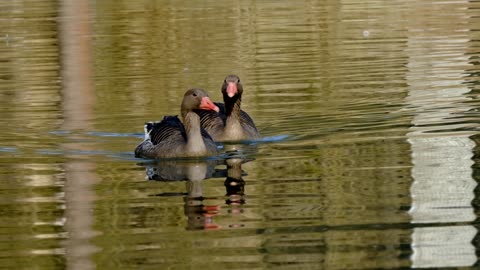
pixel 207 104
pixel 232 89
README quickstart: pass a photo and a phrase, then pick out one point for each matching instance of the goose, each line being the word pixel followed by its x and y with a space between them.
pixel 231 123
pixel 170 138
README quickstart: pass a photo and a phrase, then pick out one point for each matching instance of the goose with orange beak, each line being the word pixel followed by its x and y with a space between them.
pixel 231 123
pixel 171 138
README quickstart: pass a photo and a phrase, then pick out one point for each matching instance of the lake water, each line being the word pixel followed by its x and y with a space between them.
pixel 369 112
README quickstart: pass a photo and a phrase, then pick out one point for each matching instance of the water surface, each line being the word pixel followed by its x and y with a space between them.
pixel 369 111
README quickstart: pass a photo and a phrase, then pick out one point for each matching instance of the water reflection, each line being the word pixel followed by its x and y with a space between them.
pixel 199 216
pixel 237 155
pixel 442 151
pixel 78 103
pixel 371 93
pixel 235 190
pixel 200 210
pixel 234 184
pixel 176 170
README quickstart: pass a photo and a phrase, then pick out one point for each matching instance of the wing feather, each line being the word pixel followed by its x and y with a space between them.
pixel 168 129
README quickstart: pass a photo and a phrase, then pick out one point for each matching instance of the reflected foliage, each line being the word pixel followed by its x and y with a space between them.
pixel 376 102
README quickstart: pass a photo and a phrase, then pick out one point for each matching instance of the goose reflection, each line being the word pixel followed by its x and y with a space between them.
pixel 234 184
pixel 178 170
pixel 235 197
pixel 235 188
pixel 200 210
pixel 237 155
pixel 199 216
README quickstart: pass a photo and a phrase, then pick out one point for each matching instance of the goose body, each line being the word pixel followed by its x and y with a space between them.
pixel 171 138
pixel 231 123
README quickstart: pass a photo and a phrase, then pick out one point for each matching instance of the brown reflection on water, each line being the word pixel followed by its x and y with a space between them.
pixel 370 93
pixel 78 102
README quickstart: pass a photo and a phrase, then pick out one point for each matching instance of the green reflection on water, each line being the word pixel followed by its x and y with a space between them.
pixel 336 77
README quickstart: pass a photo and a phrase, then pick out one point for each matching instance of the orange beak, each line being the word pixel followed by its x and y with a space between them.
pixel 232 89
pixel 207 104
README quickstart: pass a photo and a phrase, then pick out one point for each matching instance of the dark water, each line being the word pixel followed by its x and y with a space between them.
pixel 369 111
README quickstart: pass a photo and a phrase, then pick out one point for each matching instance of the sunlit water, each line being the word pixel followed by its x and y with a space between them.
pixel 368 109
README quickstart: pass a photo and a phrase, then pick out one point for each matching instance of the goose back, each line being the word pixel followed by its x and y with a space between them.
pixel 162 139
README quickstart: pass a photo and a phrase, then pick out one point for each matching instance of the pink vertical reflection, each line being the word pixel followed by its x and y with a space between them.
pixel 76 64
pixel 78 101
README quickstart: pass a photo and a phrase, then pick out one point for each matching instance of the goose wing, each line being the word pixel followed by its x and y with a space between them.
pixel 169 129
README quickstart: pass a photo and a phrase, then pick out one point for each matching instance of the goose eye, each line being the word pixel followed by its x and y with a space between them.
pixel 194 94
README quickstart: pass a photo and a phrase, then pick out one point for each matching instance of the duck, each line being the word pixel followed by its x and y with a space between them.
pixel 230 123
pixel 172 138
